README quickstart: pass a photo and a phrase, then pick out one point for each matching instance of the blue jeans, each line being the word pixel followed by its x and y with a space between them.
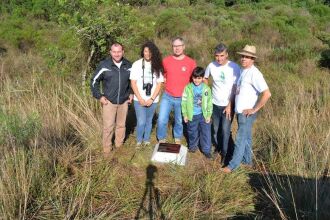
pixel 168 103
pixel 199 132
pixel 221 138
pixel 243 142
pixel 144 116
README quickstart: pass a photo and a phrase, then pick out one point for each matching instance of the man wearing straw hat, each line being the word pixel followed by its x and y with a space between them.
pixel 252 93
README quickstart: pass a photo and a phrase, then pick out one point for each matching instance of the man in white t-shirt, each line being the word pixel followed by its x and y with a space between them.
pixel 225 74
pixel 252 93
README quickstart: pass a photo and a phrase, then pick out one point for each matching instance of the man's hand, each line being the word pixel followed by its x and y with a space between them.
pixel 185 119
pixel 130 98
pixel 227 111
pixel 265 95
pixel 104 100
pixel 248 112
pixel 208 120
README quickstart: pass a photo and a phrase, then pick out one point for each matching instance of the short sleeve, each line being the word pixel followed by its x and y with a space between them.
pixel 208 71
pixel 237 74
pixel 258 82
pixel 134 71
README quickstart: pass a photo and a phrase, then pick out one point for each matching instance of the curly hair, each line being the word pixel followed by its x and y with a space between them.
pixel 156 57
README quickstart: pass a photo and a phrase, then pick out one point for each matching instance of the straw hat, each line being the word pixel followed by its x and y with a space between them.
pixel 248 50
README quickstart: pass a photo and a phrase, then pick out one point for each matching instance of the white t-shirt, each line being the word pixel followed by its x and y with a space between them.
pixel 250 84
pixel 137 74
pixel 118 64
pixel 224 77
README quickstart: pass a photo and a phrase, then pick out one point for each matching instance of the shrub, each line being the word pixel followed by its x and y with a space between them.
pixel 292 53
pixel 167 24
pixel 218 2
pixel 177 3
pixel 320 10
pixel 20 33
pixel 227 30
pixel 135 2
pixel 54 56
pixel 15 129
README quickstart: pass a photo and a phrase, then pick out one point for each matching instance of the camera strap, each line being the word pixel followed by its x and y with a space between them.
pixel 152 76
pixel 143 71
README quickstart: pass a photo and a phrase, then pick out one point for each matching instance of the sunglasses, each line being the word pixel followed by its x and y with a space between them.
pixel 248 57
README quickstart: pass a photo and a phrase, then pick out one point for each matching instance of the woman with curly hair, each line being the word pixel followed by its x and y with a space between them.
pixel 146 81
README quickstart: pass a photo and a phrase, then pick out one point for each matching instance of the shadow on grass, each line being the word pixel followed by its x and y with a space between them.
pixel 290 197
pixel 151 198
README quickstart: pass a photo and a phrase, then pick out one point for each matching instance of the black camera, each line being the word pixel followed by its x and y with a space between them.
pixel 147 87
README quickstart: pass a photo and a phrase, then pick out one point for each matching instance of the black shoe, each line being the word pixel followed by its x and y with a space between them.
pixel 209 156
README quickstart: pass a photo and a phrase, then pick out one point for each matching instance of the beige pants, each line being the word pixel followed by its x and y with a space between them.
pixel 114 115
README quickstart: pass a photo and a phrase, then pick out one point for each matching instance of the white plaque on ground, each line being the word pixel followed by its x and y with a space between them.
pixel 170 153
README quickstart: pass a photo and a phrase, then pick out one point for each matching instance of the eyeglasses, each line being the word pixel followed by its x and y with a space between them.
pixel 248 57
pixel 180 45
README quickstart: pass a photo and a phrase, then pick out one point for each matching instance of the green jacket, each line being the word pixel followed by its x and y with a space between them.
pixel 187 104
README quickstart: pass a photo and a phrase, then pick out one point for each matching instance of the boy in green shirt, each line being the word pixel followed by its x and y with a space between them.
pixel 197 111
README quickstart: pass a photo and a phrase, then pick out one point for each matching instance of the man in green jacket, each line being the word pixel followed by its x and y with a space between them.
pixel 197 111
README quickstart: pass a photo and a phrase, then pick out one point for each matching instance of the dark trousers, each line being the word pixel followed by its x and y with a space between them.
pixel 222 138
pixel 199 134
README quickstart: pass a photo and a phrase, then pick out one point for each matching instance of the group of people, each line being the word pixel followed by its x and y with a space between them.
pixel 235 90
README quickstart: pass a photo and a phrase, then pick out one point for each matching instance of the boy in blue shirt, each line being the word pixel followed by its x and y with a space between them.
pixel 197 111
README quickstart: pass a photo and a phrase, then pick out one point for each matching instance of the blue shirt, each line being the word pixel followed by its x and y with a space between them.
pixel 198 99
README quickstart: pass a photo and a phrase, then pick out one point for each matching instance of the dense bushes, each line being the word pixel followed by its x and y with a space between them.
pixel 167 24
pixel 20 33
pixel 276 25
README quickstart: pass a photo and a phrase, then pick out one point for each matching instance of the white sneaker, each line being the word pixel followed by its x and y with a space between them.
pixel 177 140
pixel 138 145
pixel 147 143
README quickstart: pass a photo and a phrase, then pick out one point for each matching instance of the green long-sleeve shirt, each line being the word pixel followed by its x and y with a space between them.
pixel 187 104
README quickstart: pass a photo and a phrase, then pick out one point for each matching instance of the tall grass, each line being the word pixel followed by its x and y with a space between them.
pixel 57 170
pixel 294 146
pixel 61 173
